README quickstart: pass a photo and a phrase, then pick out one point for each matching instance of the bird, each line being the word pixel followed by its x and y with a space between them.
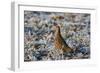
pixel 59 42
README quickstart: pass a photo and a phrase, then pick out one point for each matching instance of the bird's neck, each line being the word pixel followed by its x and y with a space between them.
pixel 57 33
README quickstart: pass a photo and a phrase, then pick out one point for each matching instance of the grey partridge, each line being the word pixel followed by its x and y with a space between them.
pixel 59 42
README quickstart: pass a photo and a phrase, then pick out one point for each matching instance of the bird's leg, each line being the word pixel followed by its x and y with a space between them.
pixel 61 54
pixel 58 54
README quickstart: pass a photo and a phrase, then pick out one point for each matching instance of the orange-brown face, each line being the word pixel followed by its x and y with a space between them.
pixel 55 27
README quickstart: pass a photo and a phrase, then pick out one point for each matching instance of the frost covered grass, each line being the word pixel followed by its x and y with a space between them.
pixel 39 37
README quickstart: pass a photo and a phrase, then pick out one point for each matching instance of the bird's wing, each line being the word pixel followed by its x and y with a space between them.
pixel 64 43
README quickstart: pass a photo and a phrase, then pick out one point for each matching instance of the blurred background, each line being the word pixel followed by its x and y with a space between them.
pixel 39 37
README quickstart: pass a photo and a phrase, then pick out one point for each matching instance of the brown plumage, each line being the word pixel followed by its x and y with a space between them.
pixel 59 42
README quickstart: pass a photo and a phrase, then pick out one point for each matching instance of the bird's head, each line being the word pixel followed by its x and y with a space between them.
pixel 56 28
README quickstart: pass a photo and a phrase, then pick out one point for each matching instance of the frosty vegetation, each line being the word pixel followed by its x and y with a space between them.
pixel 39 37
